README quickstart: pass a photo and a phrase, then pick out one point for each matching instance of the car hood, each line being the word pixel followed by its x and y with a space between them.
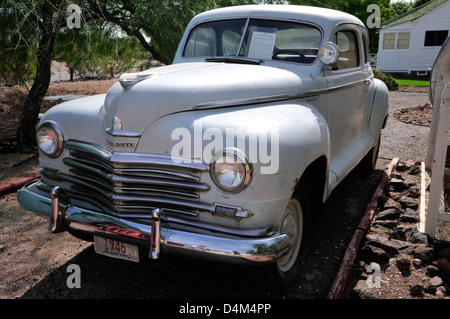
pixel 187 86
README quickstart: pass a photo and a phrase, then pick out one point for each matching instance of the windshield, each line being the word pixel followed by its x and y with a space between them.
pixel 254 39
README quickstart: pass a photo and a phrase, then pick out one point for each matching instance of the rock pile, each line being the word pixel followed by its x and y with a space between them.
pixel 419 115
pixel 396 260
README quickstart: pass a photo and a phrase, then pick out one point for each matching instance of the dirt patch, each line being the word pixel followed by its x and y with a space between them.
pixel 28 250
pixel 417 89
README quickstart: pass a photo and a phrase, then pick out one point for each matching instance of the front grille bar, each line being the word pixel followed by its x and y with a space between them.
pixel 132 184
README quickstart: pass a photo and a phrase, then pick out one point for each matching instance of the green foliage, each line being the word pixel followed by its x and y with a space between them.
pixel 157 24
pixel 98 51
pixel 417 3
pixel 19 37
pixel 387 79
pixel 400 7
pixel 358 8
pixel 115 35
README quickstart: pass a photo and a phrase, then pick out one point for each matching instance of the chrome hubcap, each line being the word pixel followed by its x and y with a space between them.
pixel 292 225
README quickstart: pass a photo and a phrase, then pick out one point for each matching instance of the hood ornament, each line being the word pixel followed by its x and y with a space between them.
pixel 117 129
pixel 126 80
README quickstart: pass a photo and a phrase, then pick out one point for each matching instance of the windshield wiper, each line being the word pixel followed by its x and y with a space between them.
pixel 233 60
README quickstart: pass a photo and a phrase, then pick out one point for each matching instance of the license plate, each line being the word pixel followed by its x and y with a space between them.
pixel 116 249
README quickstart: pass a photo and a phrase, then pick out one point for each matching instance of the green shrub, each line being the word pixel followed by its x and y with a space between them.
pixel 387 79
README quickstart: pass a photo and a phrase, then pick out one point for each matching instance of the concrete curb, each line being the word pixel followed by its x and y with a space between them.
pixel 17 184
pixel 340 283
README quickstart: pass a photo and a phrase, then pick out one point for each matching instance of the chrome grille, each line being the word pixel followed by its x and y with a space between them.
pixel 132 185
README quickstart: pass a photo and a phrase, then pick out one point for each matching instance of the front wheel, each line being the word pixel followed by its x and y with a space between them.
pixel 295 223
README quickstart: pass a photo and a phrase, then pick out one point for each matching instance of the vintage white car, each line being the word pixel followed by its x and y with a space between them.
pixel 224 154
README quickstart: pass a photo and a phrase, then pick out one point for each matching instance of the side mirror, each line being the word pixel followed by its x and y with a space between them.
pixel 329 53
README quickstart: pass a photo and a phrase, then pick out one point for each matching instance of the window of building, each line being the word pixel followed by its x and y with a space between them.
pixel 435 38
pixel 403 41
pixel 389 41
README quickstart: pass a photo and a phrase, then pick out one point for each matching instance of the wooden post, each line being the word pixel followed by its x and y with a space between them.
pixel 435 209
pixel 434 126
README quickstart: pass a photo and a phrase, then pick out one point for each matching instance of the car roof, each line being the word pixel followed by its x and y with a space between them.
pixel 327 18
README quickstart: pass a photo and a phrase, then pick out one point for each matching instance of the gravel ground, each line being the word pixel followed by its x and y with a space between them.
pixel 405 141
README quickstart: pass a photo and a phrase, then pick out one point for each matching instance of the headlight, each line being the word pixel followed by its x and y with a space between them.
pixel 231 170
pixel 329 53
pixel 50 139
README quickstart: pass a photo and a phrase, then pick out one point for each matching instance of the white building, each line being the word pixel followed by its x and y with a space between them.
pixel 410 42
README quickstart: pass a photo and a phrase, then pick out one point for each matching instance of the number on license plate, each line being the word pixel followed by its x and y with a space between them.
pixel 116 249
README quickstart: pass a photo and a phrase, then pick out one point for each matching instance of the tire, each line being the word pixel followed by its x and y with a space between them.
pixel 369 162
pixel 296 222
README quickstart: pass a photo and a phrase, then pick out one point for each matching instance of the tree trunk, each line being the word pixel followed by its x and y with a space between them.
pixel 72 71
pixel 26 131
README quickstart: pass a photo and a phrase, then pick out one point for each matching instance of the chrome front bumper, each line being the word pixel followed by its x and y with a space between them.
pixel 167 237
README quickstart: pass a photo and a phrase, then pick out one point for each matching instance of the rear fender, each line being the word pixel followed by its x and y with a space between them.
pixel 380 108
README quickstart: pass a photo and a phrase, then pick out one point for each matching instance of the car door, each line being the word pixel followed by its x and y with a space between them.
pixel 347 104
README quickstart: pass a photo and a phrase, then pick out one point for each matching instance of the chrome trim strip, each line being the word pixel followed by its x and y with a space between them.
pixel 98 151
pixel 139 216
pixel 149 172
pixel 275 98
pixel 152 190
pixel 120 199
pixel 123 133
pixel 121 159
pixel 252 100
pixel 83 165
pixel 126 159
pixel 153 181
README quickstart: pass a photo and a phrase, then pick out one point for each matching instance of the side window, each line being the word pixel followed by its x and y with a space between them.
pixel 348 49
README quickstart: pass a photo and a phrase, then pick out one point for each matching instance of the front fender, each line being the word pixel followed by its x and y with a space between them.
pixel 279 139
pixel 78 119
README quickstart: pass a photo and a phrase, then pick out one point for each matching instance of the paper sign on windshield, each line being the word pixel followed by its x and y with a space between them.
pixel 261 46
